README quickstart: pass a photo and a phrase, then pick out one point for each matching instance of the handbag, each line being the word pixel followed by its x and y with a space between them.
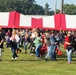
pixel 58 52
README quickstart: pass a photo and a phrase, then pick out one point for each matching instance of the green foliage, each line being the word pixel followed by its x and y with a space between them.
pixel 57 11
pixel 48 10
pixel 30 7
pixel 23 6
pixel 69 9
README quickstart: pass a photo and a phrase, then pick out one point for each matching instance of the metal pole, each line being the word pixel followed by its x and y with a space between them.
pixel 61 6
pixel 55 6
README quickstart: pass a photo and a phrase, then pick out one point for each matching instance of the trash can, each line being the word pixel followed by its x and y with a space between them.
pixel 0 53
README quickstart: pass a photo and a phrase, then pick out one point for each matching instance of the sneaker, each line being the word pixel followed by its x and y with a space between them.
pixel 13 58
pixel 32 53
pixel 16 57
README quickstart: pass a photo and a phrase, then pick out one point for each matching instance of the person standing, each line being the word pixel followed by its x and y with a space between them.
pixel 26 41
pixel 68 47
pixel 48 43
pixel 9 33
pixel 53 46
pixel 38 43
pixel 1 42
pixel 14 39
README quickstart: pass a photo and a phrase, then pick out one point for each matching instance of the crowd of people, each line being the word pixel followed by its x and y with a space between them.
pixel 40 42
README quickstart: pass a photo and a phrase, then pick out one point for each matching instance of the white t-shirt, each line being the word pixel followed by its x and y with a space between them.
pixel 15 38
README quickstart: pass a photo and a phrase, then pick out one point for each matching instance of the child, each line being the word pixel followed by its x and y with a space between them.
pixel 7 39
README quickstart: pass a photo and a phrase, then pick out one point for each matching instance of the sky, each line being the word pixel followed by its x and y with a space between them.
pixel 52 3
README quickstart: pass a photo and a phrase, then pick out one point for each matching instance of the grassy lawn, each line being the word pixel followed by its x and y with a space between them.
pixel 30 65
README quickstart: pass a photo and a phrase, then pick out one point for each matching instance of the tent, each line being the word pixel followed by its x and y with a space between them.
pixel 68 22
pixel 17 20
pixel 36 21
pixel 55 22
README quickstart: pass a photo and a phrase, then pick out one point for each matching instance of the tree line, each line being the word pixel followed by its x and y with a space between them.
pixel 29 7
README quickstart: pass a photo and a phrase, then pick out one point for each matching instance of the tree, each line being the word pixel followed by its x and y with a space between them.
pixel 22 6
pixel 36 10
pixel 47 9
pixel 57 11
pixel 69 9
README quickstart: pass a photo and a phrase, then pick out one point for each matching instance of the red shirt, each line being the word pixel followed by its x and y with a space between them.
pixel 67 39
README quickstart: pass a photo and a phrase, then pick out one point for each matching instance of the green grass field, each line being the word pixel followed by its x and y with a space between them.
pixel 30 65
